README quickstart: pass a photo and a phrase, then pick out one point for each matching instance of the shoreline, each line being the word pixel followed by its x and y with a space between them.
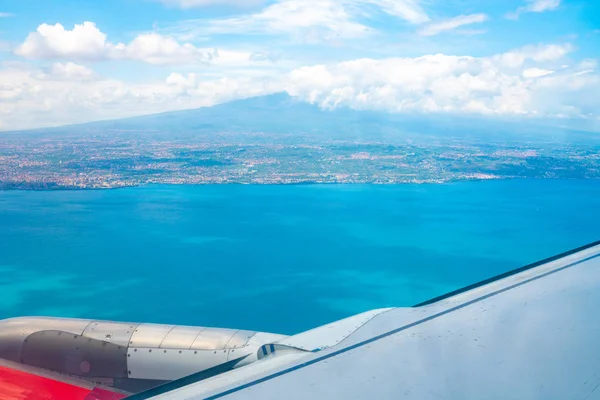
pixel 306 183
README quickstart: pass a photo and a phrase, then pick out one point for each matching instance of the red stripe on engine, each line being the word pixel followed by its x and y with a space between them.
pixel 19 385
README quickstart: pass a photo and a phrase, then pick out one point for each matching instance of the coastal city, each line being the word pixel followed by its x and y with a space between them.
pixel 95 161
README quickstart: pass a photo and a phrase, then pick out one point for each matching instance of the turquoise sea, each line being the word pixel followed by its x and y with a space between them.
pixel 275 258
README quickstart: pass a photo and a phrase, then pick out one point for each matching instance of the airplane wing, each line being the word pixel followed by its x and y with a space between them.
pixel 532 333
pixel 18 382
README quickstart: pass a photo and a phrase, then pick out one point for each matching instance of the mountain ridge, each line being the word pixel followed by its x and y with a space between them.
pixel 282 113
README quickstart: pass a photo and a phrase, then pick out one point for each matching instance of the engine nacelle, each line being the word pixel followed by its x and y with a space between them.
pixel 129 356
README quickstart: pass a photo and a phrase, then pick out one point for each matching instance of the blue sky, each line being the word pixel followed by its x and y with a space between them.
pixel 65 61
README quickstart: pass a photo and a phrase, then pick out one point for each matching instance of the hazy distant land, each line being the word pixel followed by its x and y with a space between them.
pixel 278 140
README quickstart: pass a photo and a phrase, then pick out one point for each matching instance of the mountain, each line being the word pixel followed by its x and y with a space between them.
pixel 281 113
pixel 275 113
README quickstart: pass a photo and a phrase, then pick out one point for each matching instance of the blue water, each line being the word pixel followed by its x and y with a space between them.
pixel 275 258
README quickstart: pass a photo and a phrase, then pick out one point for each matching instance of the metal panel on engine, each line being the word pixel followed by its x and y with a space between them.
pixel 213 339
pixel 74 354
pixel 181 337
pixel 163 364
pixel 149 335
pixel 239 339
pixel 13 332
pixel 114 332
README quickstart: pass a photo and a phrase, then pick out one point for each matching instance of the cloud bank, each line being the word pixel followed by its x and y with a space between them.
pixel 85 42
pixel 533 81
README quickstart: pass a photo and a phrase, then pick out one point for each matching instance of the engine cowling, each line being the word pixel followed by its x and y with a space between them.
pixel 129 356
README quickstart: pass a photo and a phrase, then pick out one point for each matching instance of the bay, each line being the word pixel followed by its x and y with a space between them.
pixel 275 258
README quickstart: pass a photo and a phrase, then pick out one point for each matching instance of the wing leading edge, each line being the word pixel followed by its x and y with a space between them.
pixel 531 333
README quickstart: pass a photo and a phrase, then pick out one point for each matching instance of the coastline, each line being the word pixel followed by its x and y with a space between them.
pixel 298 183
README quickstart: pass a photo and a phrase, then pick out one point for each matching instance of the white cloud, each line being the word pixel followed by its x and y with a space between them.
pixel 157 49
pixel 441 83
pixel 307 20
pixel 86 42
pixel 66 71
pixel 536 72
pixel 265 56
pixel 203 3
pixel 432 83
pixel 409 10
pixel 588 64
pixel 324 18
pixel 6 15
pixel 33 98
pixel 540 53
pixel 542 5
pixel 548 53
pixel 530 81
pixel 534 6
pixel 452 23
